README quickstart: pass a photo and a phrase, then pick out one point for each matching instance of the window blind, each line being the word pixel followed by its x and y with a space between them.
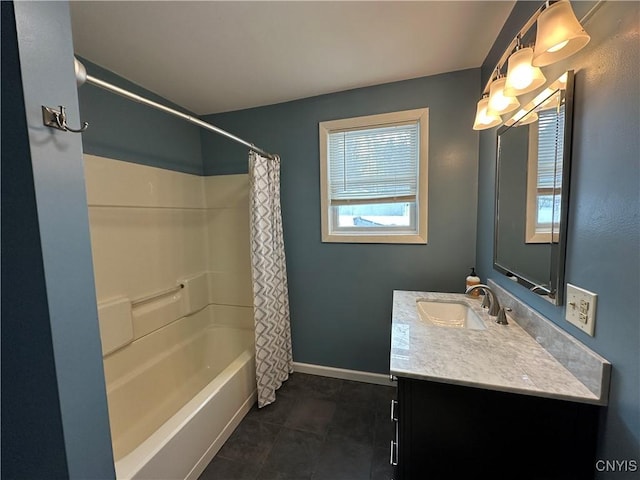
pixel 550 145
pixel 374 165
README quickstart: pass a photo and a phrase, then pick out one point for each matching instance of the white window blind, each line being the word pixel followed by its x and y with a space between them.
pixel 550 145
pixel 374 165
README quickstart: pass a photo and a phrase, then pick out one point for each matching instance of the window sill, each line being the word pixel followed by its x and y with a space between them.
pixel 414 239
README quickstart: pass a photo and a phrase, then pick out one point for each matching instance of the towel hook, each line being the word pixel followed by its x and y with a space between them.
pixel 58 119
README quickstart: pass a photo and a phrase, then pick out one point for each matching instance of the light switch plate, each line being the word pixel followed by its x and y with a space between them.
pixel 581 308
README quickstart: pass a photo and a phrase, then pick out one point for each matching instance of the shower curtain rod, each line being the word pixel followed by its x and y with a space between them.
pixel 82 76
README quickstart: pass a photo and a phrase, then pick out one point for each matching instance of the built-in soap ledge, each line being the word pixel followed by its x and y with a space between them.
pixel 123 320
pixel 587 366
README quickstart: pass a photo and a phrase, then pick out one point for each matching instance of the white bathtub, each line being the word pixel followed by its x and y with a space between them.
pixel 170 412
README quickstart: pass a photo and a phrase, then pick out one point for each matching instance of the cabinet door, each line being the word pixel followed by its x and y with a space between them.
pixel 450 431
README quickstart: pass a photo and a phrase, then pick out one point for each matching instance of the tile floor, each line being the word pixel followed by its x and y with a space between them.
pixel 319 428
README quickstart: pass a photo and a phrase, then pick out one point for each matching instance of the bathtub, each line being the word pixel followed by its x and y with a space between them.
pixel 176 395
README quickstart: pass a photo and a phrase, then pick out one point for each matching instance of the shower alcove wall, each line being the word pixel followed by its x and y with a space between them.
pixel 179 362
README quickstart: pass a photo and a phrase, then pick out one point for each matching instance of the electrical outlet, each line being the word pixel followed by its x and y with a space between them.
pixel 581 308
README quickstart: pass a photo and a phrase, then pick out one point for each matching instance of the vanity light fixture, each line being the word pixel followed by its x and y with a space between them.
pixel 484 119
pixel 499 103
pixel 559 34
pixel 522 76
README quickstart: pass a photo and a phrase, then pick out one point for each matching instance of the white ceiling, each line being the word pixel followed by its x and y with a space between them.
pixel 216 56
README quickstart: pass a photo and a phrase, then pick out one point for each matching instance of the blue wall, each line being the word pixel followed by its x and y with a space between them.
pixel 341 294
pixel 122 129
pixel 604 233
pixel 29 388
pixel 61 425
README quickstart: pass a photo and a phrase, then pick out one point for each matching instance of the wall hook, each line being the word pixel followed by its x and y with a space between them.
pixel 58 119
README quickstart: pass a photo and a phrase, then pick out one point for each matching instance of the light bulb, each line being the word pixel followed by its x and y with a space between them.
pixel 557 47
pixel 522 77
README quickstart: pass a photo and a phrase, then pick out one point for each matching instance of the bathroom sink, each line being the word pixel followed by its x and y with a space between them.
pixel 449 314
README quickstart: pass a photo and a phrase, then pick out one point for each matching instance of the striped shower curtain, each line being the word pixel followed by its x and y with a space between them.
pixel 270 292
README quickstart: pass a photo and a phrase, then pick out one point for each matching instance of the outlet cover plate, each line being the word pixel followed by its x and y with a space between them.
pixel 581 308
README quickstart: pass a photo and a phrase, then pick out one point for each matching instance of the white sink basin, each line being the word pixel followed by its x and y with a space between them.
pixel 449 314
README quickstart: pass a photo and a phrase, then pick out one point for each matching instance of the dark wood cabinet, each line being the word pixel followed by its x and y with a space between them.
pixel 446 431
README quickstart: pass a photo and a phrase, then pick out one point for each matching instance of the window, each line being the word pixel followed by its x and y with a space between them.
pixel 374 178
pixel 544 189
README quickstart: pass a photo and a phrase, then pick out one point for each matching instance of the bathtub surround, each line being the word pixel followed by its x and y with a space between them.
pixel 269 274
pixel 228 241
pixel 152 229
pixel 172 274
pixel 603 226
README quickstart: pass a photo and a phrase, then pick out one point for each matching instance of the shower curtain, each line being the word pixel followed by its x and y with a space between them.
pixel 274 360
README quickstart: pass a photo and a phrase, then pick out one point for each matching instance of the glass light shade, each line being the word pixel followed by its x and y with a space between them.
pixel 559 34
pixel 499 103
pixel 483 119
pixel 522 77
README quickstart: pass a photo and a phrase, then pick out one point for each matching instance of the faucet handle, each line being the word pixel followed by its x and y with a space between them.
pixel 502 316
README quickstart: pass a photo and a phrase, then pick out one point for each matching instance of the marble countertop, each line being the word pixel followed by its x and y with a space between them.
pixel 501 357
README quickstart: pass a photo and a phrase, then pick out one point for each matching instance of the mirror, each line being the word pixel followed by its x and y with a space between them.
pixel 532 185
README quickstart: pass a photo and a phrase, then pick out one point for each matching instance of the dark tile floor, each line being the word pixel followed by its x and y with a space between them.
pixel 319 428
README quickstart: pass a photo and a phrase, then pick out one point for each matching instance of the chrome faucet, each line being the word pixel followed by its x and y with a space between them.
pixel 494 305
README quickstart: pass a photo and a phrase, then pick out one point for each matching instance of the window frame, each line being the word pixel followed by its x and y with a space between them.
pixel 333 234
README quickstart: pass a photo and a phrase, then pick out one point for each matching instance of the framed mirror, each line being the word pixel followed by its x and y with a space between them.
pixel 532 186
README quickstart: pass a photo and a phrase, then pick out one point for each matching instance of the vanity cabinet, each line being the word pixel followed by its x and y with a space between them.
pixel 447 431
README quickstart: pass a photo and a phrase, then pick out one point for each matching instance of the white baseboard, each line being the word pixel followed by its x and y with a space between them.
pixel 333 372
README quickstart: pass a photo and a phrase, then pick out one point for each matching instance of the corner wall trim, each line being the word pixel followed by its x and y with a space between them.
pixel 333 372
